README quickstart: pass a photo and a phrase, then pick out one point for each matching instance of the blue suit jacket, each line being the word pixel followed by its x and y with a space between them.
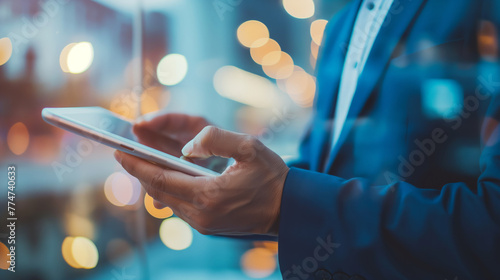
pixel 412 189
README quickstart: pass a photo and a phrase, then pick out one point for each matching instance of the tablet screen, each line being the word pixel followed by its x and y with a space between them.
pixel 105 121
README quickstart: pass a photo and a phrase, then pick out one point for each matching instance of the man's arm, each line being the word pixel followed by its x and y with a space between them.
pixel 375 231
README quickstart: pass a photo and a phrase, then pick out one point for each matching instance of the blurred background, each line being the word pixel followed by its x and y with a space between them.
pixel 246 65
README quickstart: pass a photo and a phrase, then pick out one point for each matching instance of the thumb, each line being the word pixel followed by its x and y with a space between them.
pixel 213 141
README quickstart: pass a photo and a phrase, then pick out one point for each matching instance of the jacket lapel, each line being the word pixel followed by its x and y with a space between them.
pixel 398 19
pixel 329 71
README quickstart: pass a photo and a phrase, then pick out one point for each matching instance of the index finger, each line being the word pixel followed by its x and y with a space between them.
pixel 173 122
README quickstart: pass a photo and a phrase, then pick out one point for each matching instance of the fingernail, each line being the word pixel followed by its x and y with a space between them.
pixel 188 149
pixel 118 156
pixel 144 118
pixel 139 120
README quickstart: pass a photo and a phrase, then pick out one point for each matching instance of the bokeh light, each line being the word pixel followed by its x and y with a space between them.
pixel 122 189
pixel 66 248
pixel 3 256
pixel 63 58
pixel 155 212
pixel 253 34
pixel 43 149
pixel 176 234
pixel 5 50
pixel 488 41
pixel 314 50
pixel 172 69
pixel 267 54
pixel 80 57
pixel 84 252
pixel 301 87
pixel 77 225
pixel 244 87
pixel 299 8
pixel 18 138
pixel 272 246
pixel 258 263
pixel 282 69
pixel 125 104
pixel 312 61
pixel 317 30
pixel 149 103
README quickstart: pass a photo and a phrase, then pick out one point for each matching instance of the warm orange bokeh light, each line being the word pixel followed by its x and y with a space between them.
pixel 67 253
pixel 317 30
pixel 269 245
pixel 253 34
pixel 18 138
pixel 125 104
pixel 155 212
pixel 3 256
pixel 301 87
pixel 151 100
pixel 314 50
pixel 5 50
pixel 488 41
pixel 282 69
pixel 267 54
pixel 84 252
pixel 80 252
pixel 77 225
pixel 258 262
pixel 299 8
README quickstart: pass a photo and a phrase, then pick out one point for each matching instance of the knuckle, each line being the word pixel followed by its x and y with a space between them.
pixel 199 119
pixel 249 147
pixel 254 142
pixel 209 133
pixel 157 180
pixel 153 192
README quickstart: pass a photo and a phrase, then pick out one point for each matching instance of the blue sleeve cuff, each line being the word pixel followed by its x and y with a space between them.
pixel 307 210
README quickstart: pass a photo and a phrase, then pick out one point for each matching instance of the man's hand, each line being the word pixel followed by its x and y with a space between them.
pixel 245 199
pixel 169 132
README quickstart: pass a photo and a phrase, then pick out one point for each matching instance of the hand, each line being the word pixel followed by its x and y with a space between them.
pixel 170 132
pixel 245 199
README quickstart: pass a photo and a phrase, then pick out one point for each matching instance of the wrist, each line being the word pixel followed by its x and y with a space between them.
pixel 278 193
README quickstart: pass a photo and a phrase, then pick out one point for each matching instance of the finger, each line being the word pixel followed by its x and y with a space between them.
pixel 212 141
pixel 175 123
pixel 159 205
pixel 158 141
pixel 169 181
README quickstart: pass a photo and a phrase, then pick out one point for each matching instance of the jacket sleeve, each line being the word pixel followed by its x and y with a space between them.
pixel 399 229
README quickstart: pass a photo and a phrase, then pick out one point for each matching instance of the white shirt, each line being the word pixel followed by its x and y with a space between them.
pixel 370 19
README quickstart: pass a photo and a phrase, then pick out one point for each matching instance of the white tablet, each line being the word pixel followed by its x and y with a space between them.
pixel 108 128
